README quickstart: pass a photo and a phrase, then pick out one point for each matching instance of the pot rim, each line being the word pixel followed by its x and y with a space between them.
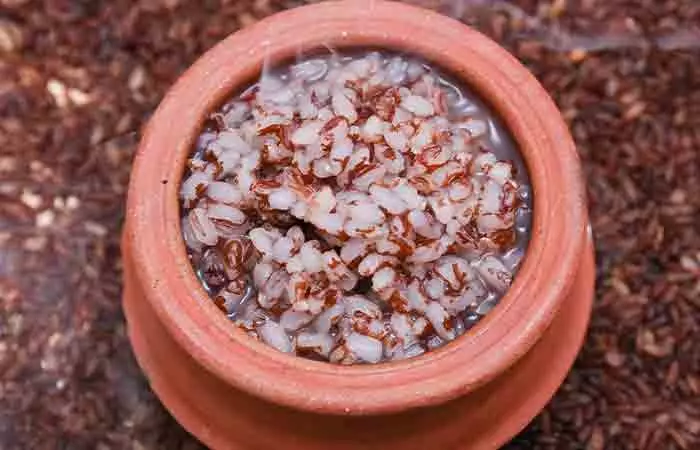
pixel 496 342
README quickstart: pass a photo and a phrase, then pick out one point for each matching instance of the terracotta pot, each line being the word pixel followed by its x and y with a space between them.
pixel 477 392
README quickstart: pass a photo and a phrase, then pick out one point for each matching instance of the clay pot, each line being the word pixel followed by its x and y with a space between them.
pixel 231 391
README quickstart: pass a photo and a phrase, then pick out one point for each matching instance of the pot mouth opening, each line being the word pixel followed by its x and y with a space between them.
pixel 483 108
pixel 498 339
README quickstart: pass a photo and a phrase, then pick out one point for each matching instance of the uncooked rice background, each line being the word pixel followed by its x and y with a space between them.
pixel 78 79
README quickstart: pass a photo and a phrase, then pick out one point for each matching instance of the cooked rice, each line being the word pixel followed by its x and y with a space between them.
pixel 346 210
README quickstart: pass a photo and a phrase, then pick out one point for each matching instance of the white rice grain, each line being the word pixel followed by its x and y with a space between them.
pixel 274 335
pixel 418 105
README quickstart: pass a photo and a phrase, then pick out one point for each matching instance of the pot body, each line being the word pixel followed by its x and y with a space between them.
pixel 224 417
pixel 233 392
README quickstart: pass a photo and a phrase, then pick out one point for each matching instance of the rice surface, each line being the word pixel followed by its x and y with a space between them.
pixel 355 209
